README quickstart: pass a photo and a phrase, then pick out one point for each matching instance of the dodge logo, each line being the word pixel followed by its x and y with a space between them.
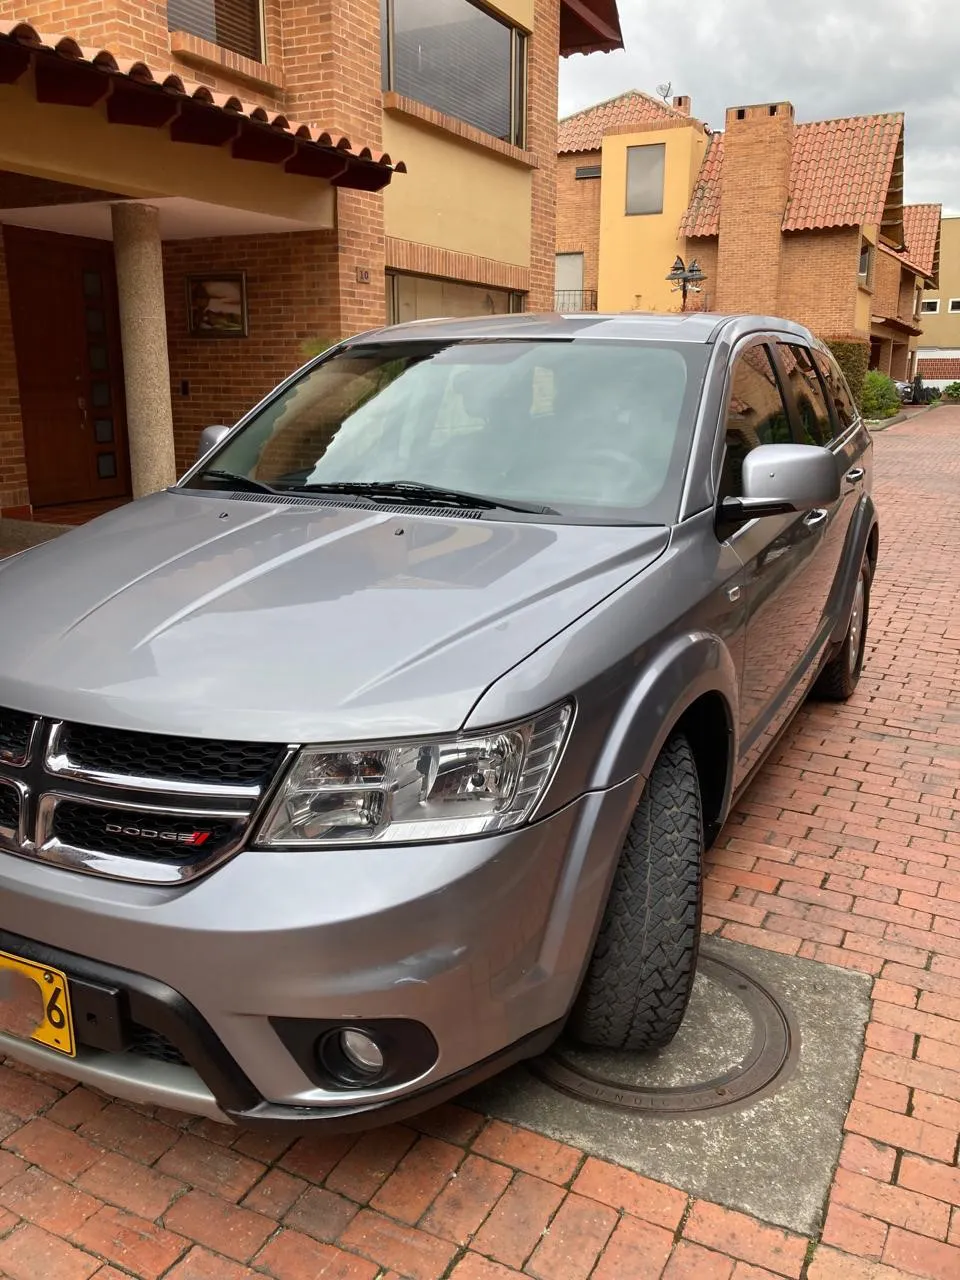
pixel 193 838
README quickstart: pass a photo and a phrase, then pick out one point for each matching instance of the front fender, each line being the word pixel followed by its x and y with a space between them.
pixel 691 666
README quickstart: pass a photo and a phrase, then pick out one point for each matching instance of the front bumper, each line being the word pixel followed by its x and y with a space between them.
pixel 481 942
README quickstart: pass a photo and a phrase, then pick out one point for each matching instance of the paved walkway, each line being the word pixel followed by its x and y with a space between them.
pixel 846 851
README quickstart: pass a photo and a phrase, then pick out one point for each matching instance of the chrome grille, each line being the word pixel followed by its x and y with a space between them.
pixel 9 809
pixel 168 759
pixel 133 806
pixel 128 833
pixel 15 728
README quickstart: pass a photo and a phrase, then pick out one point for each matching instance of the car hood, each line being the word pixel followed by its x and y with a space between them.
pixel 205 616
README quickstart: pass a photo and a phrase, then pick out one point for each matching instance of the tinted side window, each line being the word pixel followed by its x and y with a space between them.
pixel 801 374
pixel 756 414
pixel 838 390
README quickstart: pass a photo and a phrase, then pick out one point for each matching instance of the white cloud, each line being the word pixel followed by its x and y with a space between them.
pixel 828 57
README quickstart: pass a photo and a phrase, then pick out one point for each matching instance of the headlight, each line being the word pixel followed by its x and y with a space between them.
pixel 393 793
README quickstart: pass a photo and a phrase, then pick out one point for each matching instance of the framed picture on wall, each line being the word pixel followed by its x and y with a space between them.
pixel 217 305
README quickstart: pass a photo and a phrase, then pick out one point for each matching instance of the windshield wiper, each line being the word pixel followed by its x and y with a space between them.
pixel 238 481
pixel 414 492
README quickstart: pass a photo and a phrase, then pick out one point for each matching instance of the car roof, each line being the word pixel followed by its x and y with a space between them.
pixel 694 327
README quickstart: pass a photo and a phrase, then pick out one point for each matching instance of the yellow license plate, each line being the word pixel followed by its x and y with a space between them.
pixel 35 1004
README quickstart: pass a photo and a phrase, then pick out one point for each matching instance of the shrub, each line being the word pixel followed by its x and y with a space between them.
pixel 952 391
pixel 881 399
pixel 853 359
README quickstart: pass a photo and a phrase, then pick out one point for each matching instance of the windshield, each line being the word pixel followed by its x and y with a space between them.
pixel 568 428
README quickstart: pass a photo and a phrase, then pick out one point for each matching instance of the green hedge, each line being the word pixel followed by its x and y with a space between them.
pixel 854 361
pixel 952 391
pixel 881 399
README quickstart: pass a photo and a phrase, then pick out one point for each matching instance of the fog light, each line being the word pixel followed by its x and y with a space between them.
pixel 362 1052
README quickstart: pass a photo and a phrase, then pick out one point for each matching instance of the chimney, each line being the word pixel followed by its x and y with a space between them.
pixel 755 187
pixel 682 105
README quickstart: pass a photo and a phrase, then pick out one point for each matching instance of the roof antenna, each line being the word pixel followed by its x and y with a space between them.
pixel 664 90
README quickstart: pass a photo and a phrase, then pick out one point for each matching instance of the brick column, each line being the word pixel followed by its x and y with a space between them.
pixel 14 497
pixel 331 51
pixel 542 95
pixel 757 154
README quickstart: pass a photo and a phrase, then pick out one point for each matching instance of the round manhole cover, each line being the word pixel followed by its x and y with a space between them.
pixel 738 1044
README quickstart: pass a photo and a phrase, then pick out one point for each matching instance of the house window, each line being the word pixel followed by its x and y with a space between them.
pixel 930 306
pixel 645 179
pixel 456 57
pixel 865 270
pixel 588 171
pixel 231 24
pixel 953 305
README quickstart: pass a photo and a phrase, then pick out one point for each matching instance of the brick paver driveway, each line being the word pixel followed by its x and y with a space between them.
pixel 846 851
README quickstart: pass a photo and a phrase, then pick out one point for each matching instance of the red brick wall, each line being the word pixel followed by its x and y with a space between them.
pixel 578 213
pixel 886 285
pixel 938 368
pixel 818 281
pixel 13 466
pixel 757 155
pixel 291 301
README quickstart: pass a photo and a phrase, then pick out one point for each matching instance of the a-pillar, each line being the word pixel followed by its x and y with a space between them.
pixel 143 334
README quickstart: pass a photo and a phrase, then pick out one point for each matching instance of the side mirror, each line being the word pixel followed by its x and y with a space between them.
pixel 210 437
pixel 778 479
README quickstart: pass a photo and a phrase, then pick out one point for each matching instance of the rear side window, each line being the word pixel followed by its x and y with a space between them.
pixel 805 385
pixel 838 391
pixel 756 414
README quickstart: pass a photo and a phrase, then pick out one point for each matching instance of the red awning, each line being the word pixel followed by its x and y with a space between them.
pixel 589 26
pixel 66 74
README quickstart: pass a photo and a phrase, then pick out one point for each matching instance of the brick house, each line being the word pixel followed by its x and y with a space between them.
pixel 801 220
pixel 193 193
pixel 938 350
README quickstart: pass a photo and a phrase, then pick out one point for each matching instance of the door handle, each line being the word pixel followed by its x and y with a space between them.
pixel 855 475
pixel 815 517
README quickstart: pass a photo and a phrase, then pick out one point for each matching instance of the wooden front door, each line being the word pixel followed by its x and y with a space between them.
pixel 66 330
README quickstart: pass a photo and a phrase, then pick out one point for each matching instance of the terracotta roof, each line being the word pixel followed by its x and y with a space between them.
pixel 589 26
pixel 69 74
pixel 841 172
pixel 703 213
pixel 921 235
pixel 585 130
pixel 840 176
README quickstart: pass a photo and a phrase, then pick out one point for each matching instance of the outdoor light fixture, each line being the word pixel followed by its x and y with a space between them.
pixel 686 279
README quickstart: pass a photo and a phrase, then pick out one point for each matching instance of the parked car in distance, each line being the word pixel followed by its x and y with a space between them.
pixel 387 744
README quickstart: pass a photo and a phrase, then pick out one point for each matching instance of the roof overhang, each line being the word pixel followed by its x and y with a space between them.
pixel 589 26
pixel 901 326
pixel 65 74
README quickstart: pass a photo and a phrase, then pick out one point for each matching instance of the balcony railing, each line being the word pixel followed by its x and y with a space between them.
pixel 575 300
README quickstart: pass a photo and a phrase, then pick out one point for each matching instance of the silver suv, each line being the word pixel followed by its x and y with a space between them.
pixel 388 743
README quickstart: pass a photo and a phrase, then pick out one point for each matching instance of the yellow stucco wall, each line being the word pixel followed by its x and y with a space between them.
pixel 637 252
pixel 943 330
pixel 464 198
pixel 81 147
pixel 518 11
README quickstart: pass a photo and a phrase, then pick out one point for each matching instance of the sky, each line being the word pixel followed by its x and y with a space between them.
pixel 849 57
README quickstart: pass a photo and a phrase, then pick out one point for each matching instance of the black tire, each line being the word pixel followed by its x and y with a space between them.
pixel 841 675
pixel 638 983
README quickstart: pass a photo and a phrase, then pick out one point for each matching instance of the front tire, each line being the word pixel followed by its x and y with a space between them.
pixel 639 979
pixel 841 675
